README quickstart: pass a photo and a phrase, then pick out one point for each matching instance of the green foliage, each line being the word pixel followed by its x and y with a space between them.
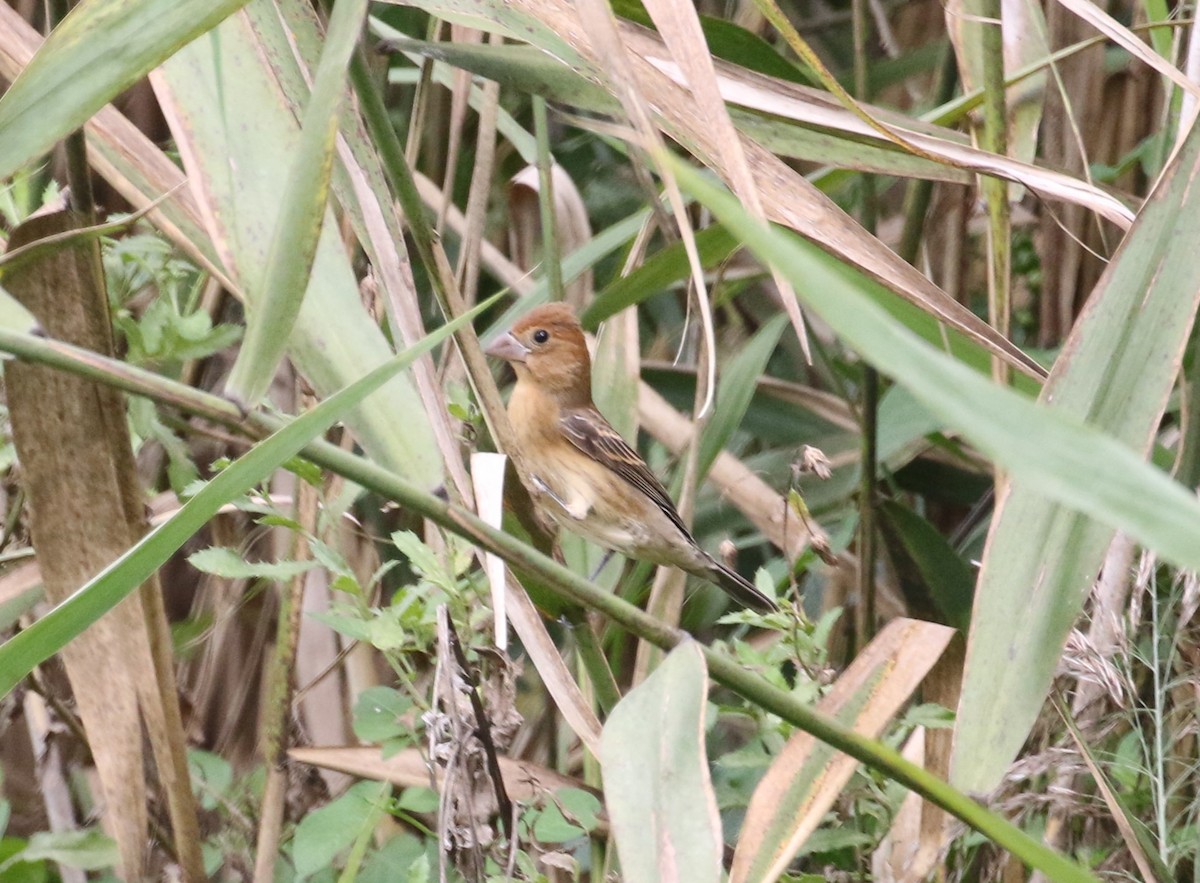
pixel 228 564
pixel 384 716
pixel 566 815
pixel 88 850
pixel 942 429
pixel 328 832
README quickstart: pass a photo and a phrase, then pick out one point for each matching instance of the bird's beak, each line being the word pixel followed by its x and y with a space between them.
pixel 508 348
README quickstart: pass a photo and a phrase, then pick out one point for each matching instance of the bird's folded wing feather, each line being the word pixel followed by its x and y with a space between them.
pixel 587 430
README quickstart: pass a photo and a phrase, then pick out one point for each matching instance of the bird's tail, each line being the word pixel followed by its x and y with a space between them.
pixel 739 588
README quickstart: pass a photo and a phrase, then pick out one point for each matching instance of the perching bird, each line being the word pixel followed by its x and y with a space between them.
pixel 584 474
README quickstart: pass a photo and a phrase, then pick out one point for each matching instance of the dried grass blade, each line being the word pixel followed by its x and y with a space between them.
pixel 1113 29
pixel 679 24
pixel 409 768
pixel 611 54
pixel 807 776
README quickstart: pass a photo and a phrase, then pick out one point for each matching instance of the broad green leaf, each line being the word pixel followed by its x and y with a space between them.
pixel 1115 373
pixel 227 111
pixel 1054 451
pixel 300 217
pixel 325 832
pixel 945 574
pixel 48 635
pixel 656 779
pixel 737 384
pixel 97 52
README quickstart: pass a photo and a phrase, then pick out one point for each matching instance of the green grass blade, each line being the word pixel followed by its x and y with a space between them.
pixel 737 386
pixel 301 215
pixel 98 51
pixel 659 272
pixel 1058 453
pixel 1115 374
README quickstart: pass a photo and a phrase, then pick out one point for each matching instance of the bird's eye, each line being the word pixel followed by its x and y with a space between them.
pixel 541 335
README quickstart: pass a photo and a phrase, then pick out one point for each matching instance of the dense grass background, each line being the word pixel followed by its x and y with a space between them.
pixel 899 303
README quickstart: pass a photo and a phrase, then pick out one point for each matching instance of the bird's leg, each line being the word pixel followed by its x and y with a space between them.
pixel 599 567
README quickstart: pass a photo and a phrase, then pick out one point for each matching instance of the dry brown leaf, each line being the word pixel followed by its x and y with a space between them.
pixel 1114 30
pixel 609 53
pixel 916 843
pixel 570 216
pixel 788 198
pixel 576 711
pixel 679 24
pixel 524 781
pixel 889 669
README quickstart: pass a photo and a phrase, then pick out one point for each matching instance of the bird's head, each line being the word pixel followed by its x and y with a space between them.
pixel 547 347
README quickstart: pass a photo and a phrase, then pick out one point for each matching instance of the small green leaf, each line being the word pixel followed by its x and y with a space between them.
pixel 418 800
pixel 581 806
pixel 377 714
pixel 328 831
pixel 229 564
pixel 348 624
pixel 12 867
pixel 212 777
pixel 419 871
pixel 420 556
pixel 89 850
pixel 929 715
pixel 48 635
pixel 551 826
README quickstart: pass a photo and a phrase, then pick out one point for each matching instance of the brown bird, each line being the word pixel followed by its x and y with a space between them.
pixel 583 473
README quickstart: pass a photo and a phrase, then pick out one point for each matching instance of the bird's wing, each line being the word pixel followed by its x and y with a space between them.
pixel 587 430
